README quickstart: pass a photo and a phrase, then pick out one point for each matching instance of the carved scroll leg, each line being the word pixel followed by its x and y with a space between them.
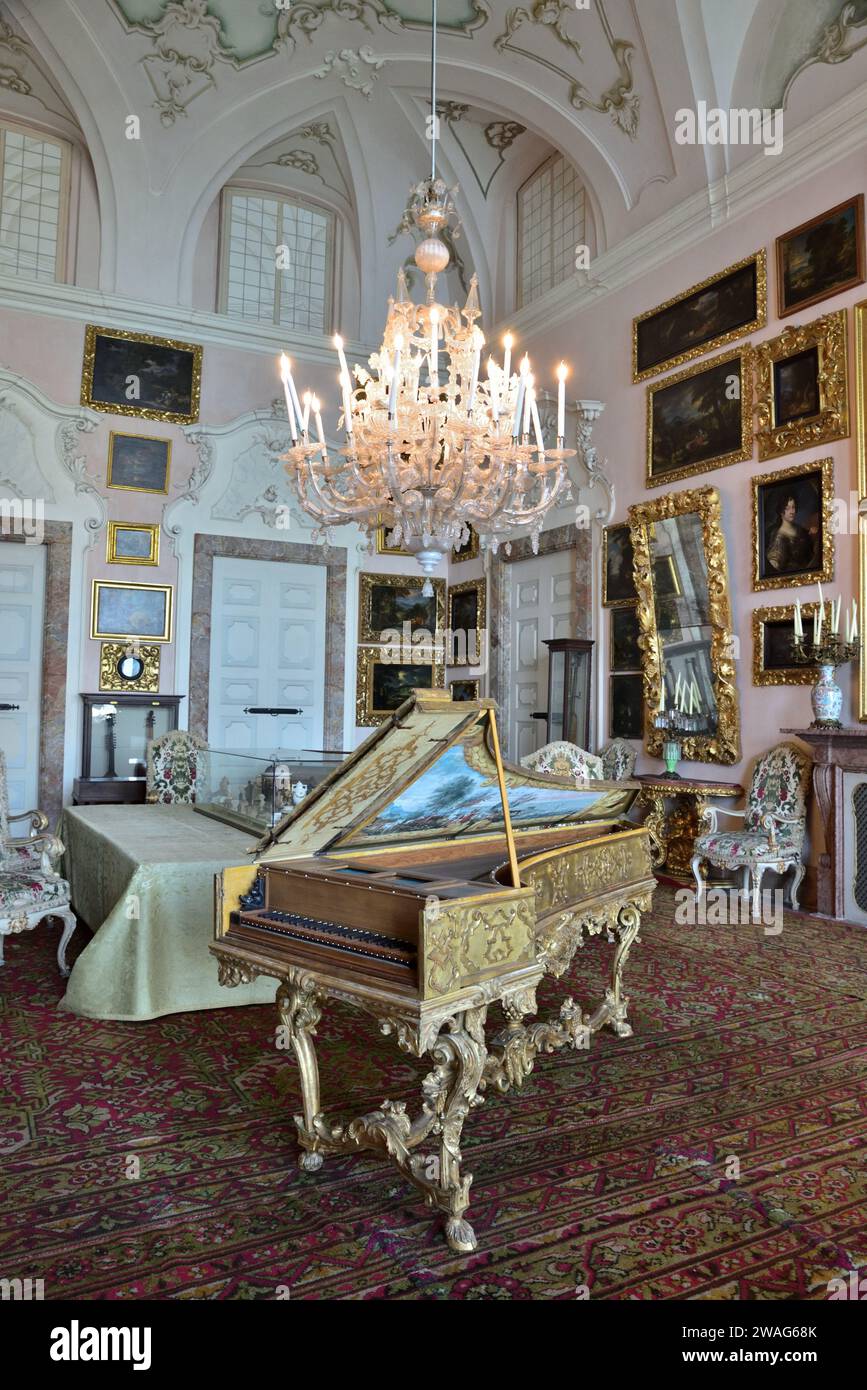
pixel 612 1010
pixel 451 1091
pixel 300 1011
pixel 69 924
pixel 799 870
pixel 655 824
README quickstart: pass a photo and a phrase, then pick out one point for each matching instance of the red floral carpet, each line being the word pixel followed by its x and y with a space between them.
pixel 612 1170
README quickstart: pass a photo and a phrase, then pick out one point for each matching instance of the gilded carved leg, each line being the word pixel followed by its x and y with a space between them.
pixel 514 1051
pixel 299 1010
pixel 612 1010
pixel 655 823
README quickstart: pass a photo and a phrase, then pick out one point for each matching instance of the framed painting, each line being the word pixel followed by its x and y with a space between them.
pixel 382 545
pixel 382 685
pixel 821 257
pixel 464 689
pixel 120 610
pixel 626 706
pixel 802 390
pixel 793 539
pixel 773 634
pixel 700 419
pixel 618 577
pixel 388 601
pixel 138 462
pixel 132 543
pixel 135 374
pixel 726 306
pixel 466 621
pixel 625 653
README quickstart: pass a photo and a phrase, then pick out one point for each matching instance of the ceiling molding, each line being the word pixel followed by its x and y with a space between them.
pixel 809 151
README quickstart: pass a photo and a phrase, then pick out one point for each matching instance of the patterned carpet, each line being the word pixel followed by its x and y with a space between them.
pixel 611 1170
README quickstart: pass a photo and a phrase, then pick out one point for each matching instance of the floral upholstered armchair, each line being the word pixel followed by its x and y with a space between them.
pixel 615 762
pixel 775 822
pixel 171 775
pixel 31 888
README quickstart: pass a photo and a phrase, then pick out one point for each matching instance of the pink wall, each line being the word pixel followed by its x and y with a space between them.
pixel 598 344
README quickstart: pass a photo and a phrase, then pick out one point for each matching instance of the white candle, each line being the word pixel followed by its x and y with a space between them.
pixel 434 346
pixel 799 627
pixel 661 706
pixel 338 343
pixel 562 373
pixel 530 379
pixel 677 692
pixel 519 402
pixel 818 623
pixel 346 387
pixel 395 377
pixel 854 621
pixel 697 693
pixel 305 414
pixel 315 407
pixel 691 700
pixel 290 409
pixel 493 390
pixel 838 614
pixel 507 359
pixel 537 424
pixel 286 373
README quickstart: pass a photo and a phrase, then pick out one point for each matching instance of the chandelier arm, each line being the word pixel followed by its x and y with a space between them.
pixel 339 509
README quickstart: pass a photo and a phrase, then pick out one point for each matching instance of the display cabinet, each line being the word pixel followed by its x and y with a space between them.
pixel 116 731
pixel 570 663
pixel 255 790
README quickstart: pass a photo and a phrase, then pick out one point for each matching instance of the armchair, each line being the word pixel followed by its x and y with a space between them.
pixel 562 759
pixel 618 760
pixel 171 771
pixel 31 888
pixel 774 820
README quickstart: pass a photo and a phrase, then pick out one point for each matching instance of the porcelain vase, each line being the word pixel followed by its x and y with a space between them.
pixel 827 699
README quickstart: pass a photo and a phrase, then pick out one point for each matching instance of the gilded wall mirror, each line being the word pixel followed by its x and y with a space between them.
pixel 681 577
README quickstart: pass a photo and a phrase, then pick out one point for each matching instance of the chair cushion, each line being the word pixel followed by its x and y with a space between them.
pixel 743 847
pixel 20 858
pixel 29 891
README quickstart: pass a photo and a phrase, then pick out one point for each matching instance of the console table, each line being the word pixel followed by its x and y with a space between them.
pixel 676 830
pixel 839 772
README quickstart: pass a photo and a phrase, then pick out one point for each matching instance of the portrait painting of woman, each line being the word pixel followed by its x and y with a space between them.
pixel 791 525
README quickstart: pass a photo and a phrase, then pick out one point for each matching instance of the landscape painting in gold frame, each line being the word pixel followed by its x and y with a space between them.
pixel 793 517
pixel 802 389
pixel 120 610
pixel 821 258
pixel 724 307
pixel 387 602
pixel 132 543
pixel 381 685
pixel 467 616
pixel 126 373
pixel 700 418
pixel 773 630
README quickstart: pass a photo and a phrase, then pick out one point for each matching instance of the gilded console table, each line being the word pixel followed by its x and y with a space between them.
pixel 675 831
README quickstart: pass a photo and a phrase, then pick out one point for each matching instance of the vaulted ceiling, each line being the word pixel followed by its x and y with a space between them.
pixel 331 95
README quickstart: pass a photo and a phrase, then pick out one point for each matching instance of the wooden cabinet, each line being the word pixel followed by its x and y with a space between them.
pixel 116 731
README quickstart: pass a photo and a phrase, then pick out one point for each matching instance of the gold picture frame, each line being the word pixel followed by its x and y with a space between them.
pixel 743 448
pixel 110 656
pixel 469 687
pixel 794 579
pixel 826 337
pixel 458 621
pixel 116 529
pixel 373 622
pixel 470 551
pixel 114 454
pixel 813 225
pixel 382 546
pixel 779 675
pixel 97 397
pixel 409 675
pixel 757 321
pixel 119 631
pixel 861 444
pixel 630 597
pixel 725 745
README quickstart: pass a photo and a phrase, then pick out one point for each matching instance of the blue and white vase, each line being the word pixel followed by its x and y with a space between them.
pixel 827 699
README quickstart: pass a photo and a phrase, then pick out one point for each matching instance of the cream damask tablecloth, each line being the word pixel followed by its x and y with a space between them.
pixel 142 878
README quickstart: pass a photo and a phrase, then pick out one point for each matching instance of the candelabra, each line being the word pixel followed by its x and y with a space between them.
pixel 676 724
pixel 826 654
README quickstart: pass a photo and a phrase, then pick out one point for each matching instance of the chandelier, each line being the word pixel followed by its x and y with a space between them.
pixel 432 445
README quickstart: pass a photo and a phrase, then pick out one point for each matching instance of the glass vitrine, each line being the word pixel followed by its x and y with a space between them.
pixel 253 789
pixel 569 672
pixel 115 736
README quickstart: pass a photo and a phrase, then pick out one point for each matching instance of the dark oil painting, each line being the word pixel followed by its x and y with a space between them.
pixel 821 258
pixel 790 536
pixel 627 707
pixel 696 421
pixel 618 578
pixel 698 319
pixel 796 387
pixel 139 462
pixel 392 684
pixel 145 377
pixel 777 639
pixel 625 651
pixel 392 606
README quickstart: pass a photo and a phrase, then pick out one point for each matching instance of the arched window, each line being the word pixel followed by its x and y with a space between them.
pixel 34 199
pixel 277 263
pixel 551 223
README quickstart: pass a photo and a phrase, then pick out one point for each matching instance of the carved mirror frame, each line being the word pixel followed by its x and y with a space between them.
pixel 725 745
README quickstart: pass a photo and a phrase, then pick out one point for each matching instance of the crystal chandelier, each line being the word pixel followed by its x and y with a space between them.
pixel 431 447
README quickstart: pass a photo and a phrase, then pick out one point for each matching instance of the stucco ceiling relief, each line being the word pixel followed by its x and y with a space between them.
pixel 357 69
pixel 482 142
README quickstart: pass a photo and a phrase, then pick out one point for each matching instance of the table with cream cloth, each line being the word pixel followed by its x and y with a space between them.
pixel 142 879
